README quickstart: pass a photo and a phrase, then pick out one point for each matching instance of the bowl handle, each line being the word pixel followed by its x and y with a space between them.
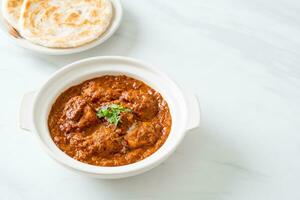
pixel 25 114
pixel 193 111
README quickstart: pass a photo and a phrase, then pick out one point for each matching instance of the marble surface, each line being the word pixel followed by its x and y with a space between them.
pixel 242 58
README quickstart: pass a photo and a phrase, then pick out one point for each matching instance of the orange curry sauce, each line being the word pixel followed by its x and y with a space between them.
pixel 76 129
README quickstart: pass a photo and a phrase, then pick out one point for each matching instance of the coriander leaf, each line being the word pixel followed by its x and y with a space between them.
pixel 112 113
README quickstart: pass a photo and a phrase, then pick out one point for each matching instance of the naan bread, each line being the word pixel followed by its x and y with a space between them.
pixel 11 11
pixel 64 23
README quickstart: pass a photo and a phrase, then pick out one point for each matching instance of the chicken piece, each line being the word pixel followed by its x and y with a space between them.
pixel 77 115
pixel 94 92
pixel 141 134
pixel 105 141
pixel 144 105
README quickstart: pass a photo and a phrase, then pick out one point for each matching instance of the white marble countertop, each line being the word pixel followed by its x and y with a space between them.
pixel 242 58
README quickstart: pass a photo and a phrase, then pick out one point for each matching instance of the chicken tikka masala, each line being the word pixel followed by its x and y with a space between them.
pixel 110 121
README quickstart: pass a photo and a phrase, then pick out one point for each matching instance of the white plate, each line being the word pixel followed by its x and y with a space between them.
pixel 117 17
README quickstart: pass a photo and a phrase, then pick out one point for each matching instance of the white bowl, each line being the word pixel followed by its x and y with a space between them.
pixel 183 106
pixel 115 23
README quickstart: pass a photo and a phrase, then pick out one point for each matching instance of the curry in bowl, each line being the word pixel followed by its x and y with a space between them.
pixel 110 121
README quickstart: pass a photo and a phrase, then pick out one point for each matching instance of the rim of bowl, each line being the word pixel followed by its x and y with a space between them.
pixel 113 27
pixel 143 165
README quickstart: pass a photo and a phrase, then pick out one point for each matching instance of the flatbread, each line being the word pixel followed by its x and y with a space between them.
pixel 64 23
pixel 11 11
